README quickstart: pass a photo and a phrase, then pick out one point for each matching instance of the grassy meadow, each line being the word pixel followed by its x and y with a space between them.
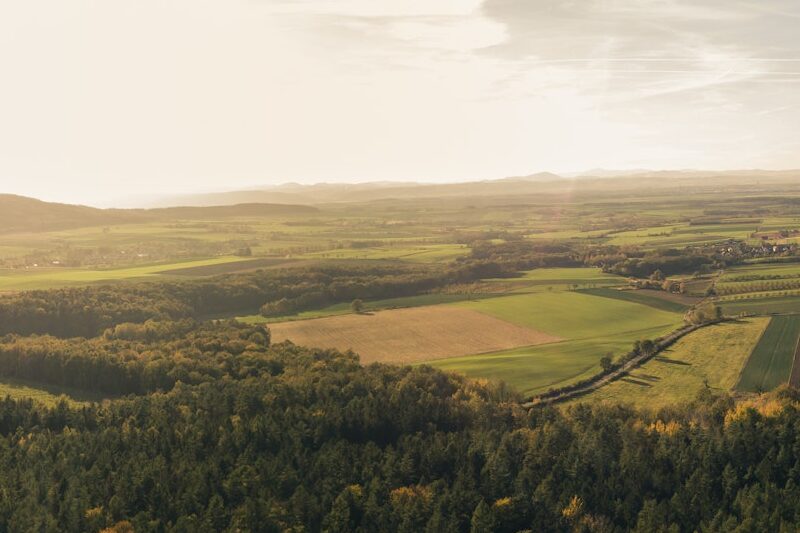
pixel 710 357
pixel 770 363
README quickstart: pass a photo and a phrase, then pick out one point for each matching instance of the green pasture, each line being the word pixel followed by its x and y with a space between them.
pixel 50 277
pixel 591 326
pixel 535 369
pixel 761 271
pixel 709 357
pixel 434 253
pixel 48 395
pixel 761 306
pixel 770 363
pixel 574 315
pixel 571 275
pixel 640 297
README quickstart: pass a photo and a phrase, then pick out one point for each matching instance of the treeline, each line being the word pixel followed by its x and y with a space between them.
pixel 521 254
pixel 327 445
pixel 634 262
pixel 141 358
pixel 88 311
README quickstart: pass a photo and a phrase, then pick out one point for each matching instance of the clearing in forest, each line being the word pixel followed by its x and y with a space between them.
pixel 770 363
pixel 411 335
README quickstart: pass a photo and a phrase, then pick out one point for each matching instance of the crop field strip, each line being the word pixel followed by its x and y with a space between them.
pixel 411 335
pixel 225 268
pixel 650 298
pixel 770 363
pixel 794 378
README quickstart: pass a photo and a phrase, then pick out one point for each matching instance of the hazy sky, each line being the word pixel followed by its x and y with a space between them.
pixel 104 98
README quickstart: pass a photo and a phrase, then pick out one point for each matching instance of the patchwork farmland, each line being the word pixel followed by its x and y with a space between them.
pixel 533 338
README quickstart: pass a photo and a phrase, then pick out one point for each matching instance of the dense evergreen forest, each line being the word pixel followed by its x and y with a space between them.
pixel 312 441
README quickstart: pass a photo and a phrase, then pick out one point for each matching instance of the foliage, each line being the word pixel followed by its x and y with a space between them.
pixel 328 444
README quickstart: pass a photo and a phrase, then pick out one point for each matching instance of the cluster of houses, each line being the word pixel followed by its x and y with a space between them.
pixel 736 249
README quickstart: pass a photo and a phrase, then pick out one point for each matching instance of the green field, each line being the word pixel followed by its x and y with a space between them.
pixel 712 356
pixel 770 363
pixel 640 297
pixel 571 275
pixel 759 271
pixel 47 394
pixel 44 278
pixel 761 306
pixel 434 253
pixel 592 327
pixel 574 315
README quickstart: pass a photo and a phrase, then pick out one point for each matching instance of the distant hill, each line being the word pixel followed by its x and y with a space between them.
pixel 510 187
pixel 538 177
pixel 20 214
pixel 237 210
pixel 324 193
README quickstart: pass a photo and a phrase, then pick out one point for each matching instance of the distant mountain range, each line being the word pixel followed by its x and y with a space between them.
pixel 543 182
pixel 22 214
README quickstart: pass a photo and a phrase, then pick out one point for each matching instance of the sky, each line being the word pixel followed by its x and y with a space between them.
pixel 104 100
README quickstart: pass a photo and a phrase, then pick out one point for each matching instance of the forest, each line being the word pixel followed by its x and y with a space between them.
pixel 319 443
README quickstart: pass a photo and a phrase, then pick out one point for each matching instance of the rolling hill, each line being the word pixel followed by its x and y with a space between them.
pixel 20 214
pixel 535 186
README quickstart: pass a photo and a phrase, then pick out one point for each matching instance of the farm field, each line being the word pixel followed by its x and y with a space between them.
pixel 49 395
pixel 574 315
pixel 225 267
pixel 770 363
pixel 369 306
pixel 761 306
pixel 11 280
pixel 761 271
pixel 434 253
pixel 712 356
pixel 592 327
pixel 657 299
pixel 410 335
pixel 534 369
pixel 571 275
